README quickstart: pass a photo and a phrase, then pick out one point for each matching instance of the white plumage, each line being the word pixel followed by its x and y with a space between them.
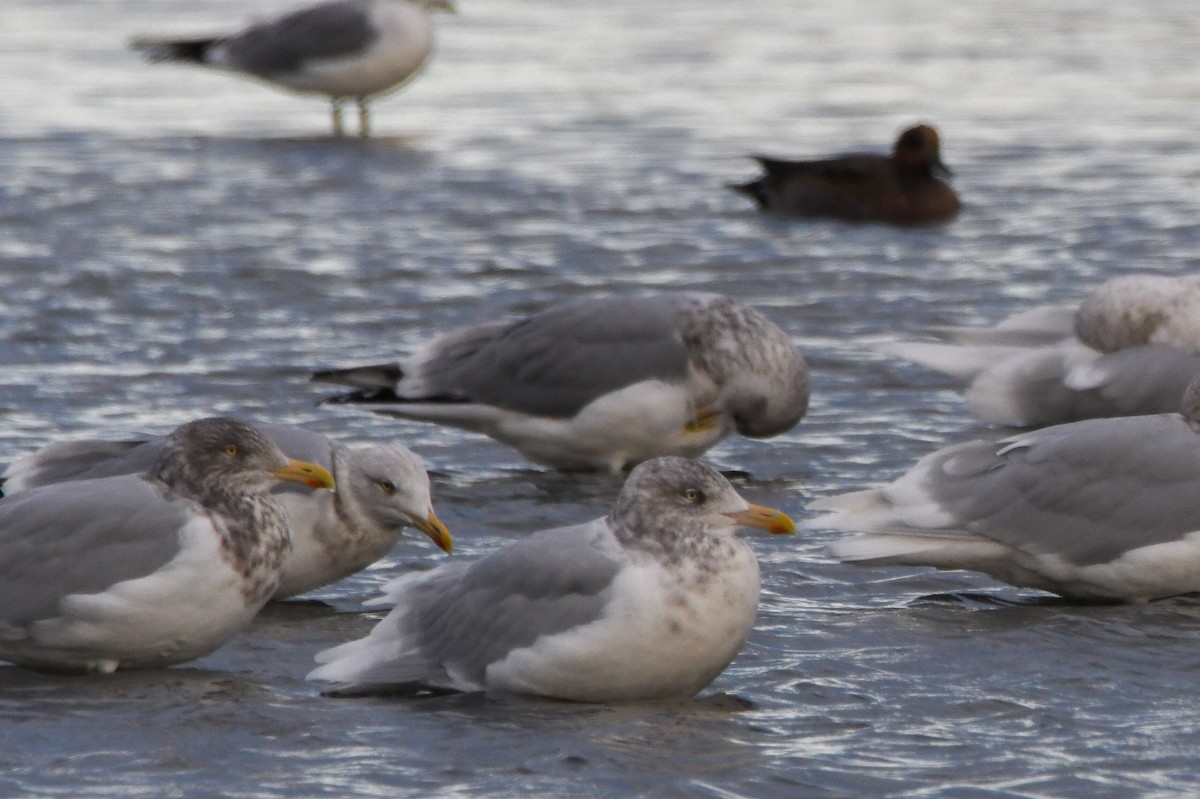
pixel 651 602
pixel 1129 348
pixel 381 490
pixel 344 49
pixel 147 570
pixel 601 384
pixel 1098 509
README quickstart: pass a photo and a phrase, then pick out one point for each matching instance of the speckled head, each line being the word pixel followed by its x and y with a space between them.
pixel 763 377
pixel 228 456
pixel 671 498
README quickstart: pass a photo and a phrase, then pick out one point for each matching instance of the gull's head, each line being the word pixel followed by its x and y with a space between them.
pixel 224 454
pixel 679 497
pixel 388 485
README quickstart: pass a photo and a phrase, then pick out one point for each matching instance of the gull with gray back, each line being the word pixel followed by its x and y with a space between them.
pixel 381 490
pixel 652 601
pixel 148 570
pixel 601 384
pixel 345 49
pixel 1131 347
pixel 1101 509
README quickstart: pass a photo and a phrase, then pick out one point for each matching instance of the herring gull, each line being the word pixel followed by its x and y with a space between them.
pixel 344 49
pixel 1130 348
pixel 652 601
pixel 145 571
pixel 904 188
pixel 601 384
pixel 381 489
pixel 1101 509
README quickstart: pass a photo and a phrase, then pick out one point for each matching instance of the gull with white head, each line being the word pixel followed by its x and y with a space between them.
pixel 344 49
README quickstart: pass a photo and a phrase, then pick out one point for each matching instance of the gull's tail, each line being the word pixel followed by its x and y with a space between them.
pixel 375 383
pixel 194 51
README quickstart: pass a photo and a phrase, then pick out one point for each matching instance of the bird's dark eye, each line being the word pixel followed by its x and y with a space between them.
pixel 388 487
pixel 693 495
pixel 231 450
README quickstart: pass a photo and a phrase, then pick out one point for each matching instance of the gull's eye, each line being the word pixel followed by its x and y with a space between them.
pixel 388 487
pixel 231 450
pixel 693 495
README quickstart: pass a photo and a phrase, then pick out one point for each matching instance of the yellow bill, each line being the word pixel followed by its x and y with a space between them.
pixel 309 474
pixel 769 519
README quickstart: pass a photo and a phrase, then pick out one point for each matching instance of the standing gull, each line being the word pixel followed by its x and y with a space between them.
pixel 904 188
pixel 144 571
pixel 601 384
pixel 381 489
pixel 1102 509
pixel 1131 347
pixel 651 602
pixel 344 49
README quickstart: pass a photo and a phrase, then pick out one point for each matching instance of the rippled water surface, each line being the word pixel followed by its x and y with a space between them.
pixel 176 243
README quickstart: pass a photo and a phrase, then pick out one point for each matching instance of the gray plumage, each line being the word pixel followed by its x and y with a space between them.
pixel 687 369
pixel 342 48
pixel 652 601
pixel 1130 347
pixel 146 570
pixel 1097 509
pixel 381 490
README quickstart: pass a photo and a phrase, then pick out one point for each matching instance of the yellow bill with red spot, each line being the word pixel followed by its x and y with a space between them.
pixel 773 521
pixel 305 473
pixel 432 526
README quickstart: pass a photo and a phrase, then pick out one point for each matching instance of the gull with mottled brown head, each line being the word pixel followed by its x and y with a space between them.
pixel 652 601
pixel 601 384
pixel 344 49
pixel 1102 509
pixel 382 489
pixel 145 571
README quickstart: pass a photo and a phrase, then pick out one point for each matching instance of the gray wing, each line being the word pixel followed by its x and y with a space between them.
pixel 557 361
pixel 1138 380
pixel 80 460
pixel 282 46
pixel 461 617
pixel 86 460
pixel 1087 491
pixel 80 538
pixel 1038 327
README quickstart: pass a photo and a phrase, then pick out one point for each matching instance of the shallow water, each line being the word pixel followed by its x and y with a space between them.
pixel 176 243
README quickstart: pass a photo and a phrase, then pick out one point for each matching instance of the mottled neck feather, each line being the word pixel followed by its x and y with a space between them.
pixel 255 540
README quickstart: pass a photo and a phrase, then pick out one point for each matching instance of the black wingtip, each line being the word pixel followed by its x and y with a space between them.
pixel 755 190
pixel 160 50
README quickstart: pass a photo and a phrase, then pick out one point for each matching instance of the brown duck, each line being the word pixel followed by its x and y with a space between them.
pixel 903 188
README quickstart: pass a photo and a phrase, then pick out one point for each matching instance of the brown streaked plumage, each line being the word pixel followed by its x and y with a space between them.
pixel 904 188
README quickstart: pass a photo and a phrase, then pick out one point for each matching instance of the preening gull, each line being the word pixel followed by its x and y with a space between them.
pixel 1103 509
pixel 1131 347
pixel 381 489
pixel 904 188
pixel 143 571
pixel 601 384
pixel 651 602
pixel 343 48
